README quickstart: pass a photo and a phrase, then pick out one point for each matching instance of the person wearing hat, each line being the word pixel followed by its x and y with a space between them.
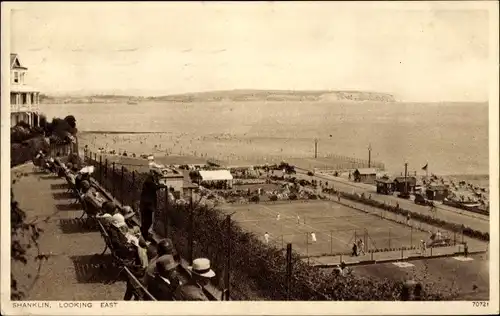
pixel 148 203
pixel 164 247
pixel 108 209
pixel 166 279
pixel 80 177
pixel 201 273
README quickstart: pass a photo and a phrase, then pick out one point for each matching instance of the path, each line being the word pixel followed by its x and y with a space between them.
pixel 72 270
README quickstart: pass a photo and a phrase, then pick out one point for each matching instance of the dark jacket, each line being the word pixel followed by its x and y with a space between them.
pixel 163 289
pixel 190 291
pixel 148 194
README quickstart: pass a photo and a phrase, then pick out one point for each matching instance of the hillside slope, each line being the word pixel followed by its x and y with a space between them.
pixel 232 95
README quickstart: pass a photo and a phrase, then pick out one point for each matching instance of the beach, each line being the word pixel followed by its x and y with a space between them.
pixel 451 138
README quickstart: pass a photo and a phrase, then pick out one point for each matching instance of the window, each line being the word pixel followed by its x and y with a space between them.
pixel 22 78
pixel 16 77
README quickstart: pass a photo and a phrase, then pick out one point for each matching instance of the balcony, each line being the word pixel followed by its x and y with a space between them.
pixel 23 108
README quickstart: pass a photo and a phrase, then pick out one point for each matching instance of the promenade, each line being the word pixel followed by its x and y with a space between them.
pixel 74 268
pixel 449 214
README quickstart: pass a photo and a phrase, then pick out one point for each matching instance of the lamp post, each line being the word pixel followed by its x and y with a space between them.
pixel 369 155
pixel 316 148
pixel 406 180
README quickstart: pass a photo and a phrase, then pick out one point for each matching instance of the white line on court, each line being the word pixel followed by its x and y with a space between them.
pixel 463 258
pixel 306 225
pixel 403 264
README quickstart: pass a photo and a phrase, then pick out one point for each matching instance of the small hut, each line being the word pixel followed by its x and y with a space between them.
pixel 437 192
pixel 400 184
pixel 365 175
pixel 385 186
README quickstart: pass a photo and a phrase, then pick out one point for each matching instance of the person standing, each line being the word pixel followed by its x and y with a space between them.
pixel 313 237
pixel 354 249
pixel 423 246
pixel 361 246
pixel 266 238
pixel 148 203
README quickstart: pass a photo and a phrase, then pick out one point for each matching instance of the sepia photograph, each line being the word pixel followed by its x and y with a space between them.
pixel 249 153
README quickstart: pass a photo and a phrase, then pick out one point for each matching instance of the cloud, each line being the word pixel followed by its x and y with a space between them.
pixel 418 54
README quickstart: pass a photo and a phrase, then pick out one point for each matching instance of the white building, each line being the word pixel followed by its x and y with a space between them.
pixel 24 99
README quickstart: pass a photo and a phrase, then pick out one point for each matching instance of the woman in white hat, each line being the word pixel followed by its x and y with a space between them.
pixel 193 290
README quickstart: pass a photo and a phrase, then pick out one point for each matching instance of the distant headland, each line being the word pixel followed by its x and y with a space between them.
pixel 228 95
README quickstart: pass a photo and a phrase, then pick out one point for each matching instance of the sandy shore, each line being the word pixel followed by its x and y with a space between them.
pixel 233 150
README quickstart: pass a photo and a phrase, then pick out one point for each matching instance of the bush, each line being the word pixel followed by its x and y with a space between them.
pixel 292 196
pixel 273 198
pixel 255 199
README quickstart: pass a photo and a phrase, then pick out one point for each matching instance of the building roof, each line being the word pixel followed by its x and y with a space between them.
pixel 385 180
pixel 366 171
pixel 15 63
pixel 408 179
pixel 437 187
pixel 215 175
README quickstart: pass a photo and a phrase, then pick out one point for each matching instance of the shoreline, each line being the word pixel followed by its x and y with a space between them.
pixel 243 149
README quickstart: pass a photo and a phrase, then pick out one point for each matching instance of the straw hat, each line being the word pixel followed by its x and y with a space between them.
pixel 127 212
pixel 201 267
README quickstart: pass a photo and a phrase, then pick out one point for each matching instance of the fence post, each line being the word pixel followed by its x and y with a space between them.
pixel 411 236
pixel 228 268
pixel 121 186
pixel 167 228
pixel 366 240
pixel 100 168
pixel 454 238
pixel 288 270
pixel 106 168
pixel 113 181
pixel 389 238
pixel 307 247
pixel 191 227
pixel 331 242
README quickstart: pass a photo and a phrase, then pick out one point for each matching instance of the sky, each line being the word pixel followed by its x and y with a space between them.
pixel 419 53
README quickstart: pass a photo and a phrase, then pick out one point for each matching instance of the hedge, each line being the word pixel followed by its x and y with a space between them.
pixel 24 152
pixel 257 269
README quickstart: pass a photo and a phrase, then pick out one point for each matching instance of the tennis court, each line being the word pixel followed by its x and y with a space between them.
pixel 335 227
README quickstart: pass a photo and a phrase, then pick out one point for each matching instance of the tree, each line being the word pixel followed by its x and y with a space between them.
pixel 24 236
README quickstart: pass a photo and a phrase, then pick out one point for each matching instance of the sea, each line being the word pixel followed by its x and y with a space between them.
pixel 451 138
